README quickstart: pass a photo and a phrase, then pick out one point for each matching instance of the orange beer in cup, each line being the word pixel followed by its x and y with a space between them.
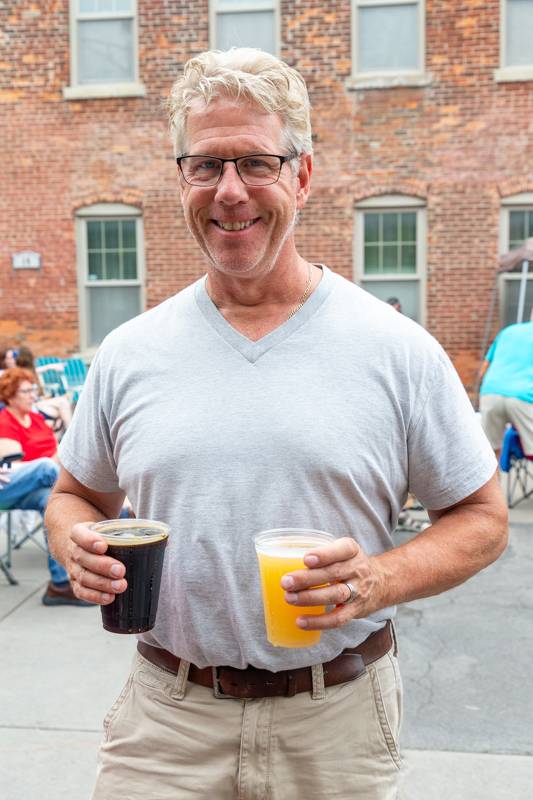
pixel 279 551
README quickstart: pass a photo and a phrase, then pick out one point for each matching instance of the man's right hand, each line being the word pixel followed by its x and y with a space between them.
pixel 94 576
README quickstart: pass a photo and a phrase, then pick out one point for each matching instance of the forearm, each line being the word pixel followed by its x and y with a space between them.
pixel 457 546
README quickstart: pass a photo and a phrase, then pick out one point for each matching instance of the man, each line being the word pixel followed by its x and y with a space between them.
pixel 506 393
pixel 395 303
pixel 272 393
pixel 27 487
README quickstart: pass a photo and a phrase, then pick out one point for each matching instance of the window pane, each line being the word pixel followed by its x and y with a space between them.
pixel 511 294
pixel 111 235
pixel 112 265
pixel 239 5
pixel 387 38
pixel 408 258
pixel 390 227
pixel 129 260
pixel 128 234
pixel 108 307
pixel 94 235
pixel 105 51
pixel 95 267
pixel 371 258
pixel 95 6
pixel 408 224
pixel 407 293
pixel 517 228
pixel 247 29
pixel 390 258
pixel 371 227
pixel 519 32
pixel 529 227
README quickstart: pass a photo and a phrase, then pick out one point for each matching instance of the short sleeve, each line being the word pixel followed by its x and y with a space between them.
pixel 490 351
pixel 449 454
pixel 86 450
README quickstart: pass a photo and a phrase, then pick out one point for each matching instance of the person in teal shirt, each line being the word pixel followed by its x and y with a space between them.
pixel 506 393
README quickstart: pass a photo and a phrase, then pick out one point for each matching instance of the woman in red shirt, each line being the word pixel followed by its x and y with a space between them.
pixel 18 421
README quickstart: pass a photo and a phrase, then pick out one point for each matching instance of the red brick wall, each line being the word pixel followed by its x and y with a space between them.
pixel 461 143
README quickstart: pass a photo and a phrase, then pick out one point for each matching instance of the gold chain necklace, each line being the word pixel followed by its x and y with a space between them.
pixel 301 301
pixel 305 294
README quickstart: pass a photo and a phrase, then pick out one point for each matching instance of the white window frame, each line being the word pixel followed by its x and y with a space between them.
pixel 104 211
pixel 78 91
pixel 395 203
pixel 507 73
pixel 265 5
pixel 515 202
pixel 385 79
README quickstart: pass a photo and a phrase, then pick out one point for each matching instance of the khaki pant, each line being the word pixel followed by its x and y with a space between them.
pixel 169 739
pixel 497 411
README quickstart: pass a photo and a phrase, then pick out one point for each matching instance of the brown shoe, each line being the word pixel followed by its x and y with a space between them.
pixel 62 596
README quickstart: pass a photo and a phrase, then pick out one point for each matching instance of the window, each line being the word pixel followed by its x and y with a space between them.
pixel 245 23
pixel 388 41
pixel 516 40
pixel 110 269
pixel 391 249
pixel 516 227
pixel 103 48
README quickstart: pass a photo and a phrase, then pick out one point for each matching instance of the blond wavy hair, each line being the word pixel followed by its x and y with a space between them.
pixel 248 74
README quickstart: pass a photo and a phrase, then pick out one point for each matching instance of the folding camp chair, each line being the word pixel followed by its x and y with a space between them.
pixel 518 466
pixel 15 539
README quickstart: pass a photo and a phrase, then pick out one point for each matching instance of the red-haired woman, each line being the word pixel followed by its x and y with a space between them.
pixel 18 421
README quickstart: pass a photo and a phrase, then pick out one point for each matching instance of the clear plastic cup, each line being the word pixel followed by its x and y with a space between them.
pixel 279 551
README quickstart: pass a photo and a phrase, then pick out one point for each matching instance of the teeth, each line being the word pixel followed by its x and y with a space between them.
pixel 235 226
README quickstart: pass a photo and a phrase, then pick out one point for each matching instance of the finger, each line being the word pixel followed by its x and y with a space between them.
pixel 341 550
pixel 334 594
pixel 87 580
pixel 102 565
pixel 91 595
pixel 307 578
pixel 332 619
pixel 88 539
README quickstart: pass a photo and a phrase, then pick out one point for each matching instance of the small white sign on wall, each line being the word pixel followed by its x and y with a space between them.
pixel 26 260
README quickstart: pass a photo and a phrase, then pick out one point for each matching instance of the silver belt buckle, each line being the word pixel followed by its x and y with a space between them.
pixel 217 689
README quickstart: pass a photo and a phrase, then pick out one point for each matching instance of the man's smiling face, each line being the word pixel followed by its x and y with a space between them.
pixel 243 230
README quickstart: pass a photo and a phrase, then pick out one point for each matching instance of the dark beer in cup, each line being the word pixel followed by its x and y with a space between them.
pixel 140 545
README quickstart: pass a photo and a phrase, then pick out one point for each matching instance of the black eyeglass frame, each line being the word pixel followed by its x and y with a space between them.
pixel 282 160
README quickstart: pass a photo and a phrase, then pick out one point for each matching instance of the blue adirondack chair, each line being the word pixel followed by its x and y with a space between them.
pixel 75 374
pixel 53 379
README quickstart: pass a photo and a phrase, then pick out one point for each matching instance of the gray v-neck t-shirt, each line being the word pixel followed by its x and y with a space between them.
pixel 325 423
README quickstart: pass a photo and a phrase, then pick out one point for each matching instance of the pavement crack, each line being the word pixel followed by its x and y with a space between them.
pixel 22 602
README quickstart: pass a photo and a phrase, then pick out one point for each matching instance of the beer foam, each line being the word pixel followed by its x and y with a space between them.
pixel 131 532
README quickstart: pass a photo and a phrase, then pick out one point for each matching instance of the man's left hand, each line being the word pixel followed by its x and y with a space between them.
pixel 329 569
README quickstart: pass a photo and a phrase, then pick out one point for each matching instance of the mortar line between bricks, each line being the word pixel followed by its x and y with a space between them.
pixel 25 600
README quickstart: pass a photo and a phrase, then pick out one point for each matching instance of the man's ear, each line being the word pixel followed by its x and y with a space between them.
pixel 304 180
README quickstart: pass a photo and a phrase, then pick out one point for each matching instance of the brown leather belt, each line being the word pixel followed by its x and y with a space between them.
pixel 250 683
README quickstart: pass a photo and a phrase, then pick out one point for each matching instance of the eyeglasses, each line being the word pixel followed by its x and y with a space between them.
pixel 31 390
pixel 257 169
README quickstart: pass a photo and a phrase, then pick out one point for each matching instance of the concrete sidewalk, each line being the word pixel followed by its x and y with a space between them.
pixel 61 672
